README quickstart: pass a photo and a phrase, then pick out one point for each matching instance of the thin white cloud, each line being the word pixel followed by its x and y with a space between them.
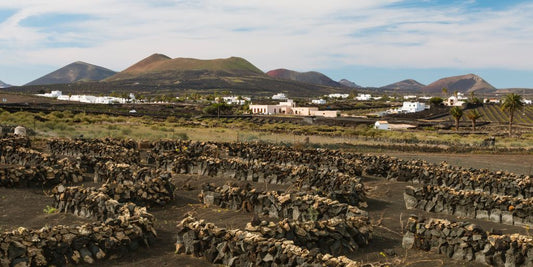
pixel 299 34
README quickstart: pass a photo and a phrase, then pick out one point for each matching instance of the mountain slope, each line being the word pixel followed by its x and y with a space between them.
pixel 74 72
pixel 462 83
pixel 405 85
pixel 4 85
pixel 349 83
pixel 158 67
pixel 312 77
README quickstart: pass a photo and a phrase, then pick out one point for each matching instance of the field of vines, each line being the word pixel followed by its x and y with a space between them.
pixel 493 113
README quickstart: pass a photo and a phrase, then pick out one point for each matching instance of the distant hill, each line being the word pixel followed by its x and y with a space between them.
pixel 161 68
pixel 463 84
pixel 4 85
pixel 311 77
pixel 74 72
pixel 349 83
pixel 405 85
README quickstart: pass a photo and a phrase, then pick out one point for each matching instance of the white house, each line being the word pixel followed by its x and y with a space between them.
pixel 280 96
pixel 409 97
pixel 53 94
pixel 289 107
pixel 412 107
pixel 527 101
pixel 338 95
pixel 381 125
pixel 457 101
pixel 318 101
pixel 235 100
pixel 363 97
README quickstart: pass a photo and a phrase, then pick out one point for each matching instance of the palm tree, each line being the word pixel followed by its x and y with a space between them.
pixel 511 103
pixel 473 116
pixel 456 113
pixel 445 92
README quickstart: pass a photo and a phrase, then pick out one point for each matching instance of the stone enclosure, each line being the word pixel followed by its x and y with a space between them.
pixel 319 217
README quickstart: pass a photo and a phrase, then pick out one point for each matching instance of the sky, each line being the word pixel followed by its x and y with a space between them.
pixel 370 42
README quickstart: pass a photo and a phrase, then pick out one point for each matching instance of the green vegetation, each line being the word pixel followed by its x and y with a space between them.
pixel 473 115
pixel 49 209
pixel 512 103
pixel 456 113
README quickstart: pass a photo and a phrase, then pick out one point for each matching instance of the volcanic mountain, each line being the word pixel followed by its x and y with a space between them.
pixel 4 85
pixel 161 68
pixel 74 72
pixel 349 83
pixel 311 77
pixel 405 85
pixel 463 84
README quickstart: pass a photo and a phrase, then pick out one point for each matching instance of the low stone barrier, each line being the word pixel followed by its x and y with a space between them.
pixel 355 164
pixel 335 236
pixel 242 248
pixel 15 142
pixel 64 245
pixel 296 206
pixel 471 204
pixel 105 202
pixel 332 184
pixel 499 182
pixel 468 242
pixel 37 176
pixel 119 172
pixel 125 151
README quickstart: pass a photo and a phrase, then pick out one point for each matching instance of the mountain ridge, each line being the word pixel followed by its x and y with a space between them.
pixel 312 77
pixel 405 85
pixel 4 85
pixel 462 83
pixel 159 64
pixel 74 72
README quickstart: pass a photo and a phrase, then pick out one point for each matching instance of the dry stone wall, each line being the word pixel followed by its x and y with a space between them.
pixel 104 202
pixel 471 204
pixel 334 185
pixel 296 206
pixel 468 242
pixel 335 236
pixel 120 151
pixel 242 248
pixel 37 176
pixel 64 245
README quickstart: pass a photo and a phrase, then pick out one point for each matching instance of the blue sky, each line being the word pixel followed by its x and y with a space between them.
pixel 370 42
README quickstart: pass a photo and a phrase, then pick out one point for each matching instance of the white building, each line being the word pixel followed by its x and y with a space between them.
pixel 53 94
pixel 363 97
pixel 289 107
pixel 527 101
pixel 235 100
pixel 280 96
pixel 338 95
pixel 456 101
pixel 381 125
pixel 412 107
pixel 92 99
pixel 409 97
pixel 318 101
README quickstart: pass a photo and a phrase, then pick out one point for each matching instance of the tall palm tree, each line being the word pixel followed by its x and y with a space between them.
pixel 457 114
pixel 511 103
pixel 473 116
pixel 445 92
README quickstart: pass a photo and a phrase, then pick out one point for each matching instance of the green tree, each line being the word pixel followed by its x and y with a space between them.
pixel 473 116
pixel 436 101
pixel 445 92
pixel 511 103
pixel 457 114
